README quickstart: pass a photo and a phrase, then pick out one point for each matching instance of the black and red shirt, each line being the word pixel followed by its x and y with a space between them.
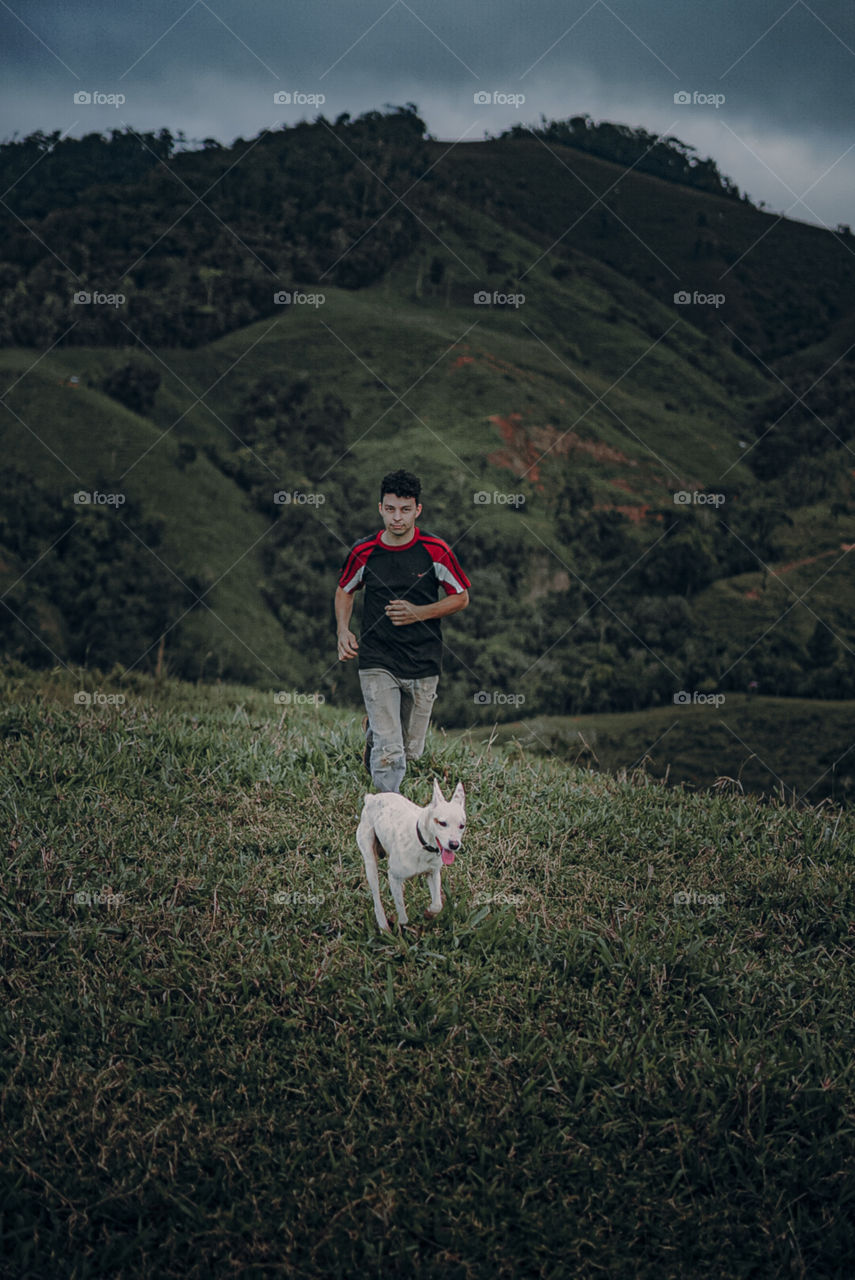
pixel 413 572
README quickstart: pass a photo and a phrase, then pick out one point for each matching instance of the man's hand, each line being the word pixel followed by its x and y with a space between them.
pixel 348 646
pixel 401 612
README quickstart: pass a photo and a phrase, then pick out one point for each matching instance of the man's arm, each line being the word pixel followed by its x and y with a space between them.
pixel 348 645
pixel 401 612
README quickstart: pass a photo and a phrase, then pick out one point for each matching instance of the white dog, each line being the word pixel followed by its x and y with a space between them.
pixel 418 842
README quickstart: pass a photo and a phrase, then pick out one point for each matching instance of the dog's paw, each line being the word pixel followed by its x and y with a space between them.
pixel 431 915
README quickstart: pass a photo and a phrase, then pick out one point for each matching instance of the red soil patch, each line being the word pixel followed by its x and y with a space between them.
pixel 527 445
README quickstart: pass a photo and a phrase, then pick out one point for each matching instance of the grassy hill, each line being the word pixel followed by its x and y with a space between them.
pixel 487 375
pixel 624 1047
pixel 592 403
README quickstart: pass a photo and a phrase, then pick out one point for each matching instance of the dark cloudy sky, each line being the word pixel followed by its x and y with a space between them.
pixel 782 73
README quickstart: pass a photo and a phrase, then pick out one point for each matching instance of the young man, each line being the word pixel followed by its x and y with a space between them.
pixel 400 647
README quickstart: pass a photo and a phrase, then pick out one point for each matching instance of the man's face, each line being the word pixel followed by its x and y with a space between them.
pixel 399 516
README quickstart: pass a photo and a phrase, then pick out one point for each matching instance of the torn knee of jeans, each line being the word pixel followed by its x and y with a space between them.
pixel 390 756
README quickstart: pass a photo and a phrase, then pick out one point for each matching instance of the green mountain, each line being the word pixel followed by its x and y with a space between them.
pixel 556 341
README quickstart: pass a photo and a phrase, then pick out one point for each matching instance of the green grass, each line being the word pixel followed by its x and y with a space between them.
pixel 567 1073
pixel 72 436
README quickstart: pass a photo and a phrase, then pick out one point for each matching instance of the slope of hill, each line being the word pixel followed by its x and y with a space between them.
pixel 627 1038
pixel 578 413
pixel 796 749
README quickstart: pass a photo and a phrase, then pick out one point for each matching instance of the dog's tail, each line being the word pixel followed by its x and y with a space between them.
pixel 371 850
pixel 379 851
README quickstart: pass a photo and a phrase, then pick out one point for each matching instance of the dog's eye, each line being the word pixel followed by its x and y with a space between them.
pixel 440 823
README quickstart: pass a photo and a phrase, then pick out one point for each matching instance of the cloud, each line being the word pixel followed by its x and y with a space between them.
pixel 210 67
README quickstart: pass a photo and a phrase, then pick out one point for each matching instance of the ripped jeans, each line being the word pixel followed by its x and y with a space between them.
pixel 399 712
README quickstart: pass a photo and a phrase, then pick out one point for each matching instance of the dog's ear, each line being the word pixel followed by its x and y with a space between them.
pixel 438 797
pixel 459 794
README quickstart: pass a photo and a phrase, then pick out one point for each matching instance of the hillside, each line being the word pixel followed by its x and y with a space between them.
pixel 625 1047
pixel 579 412
pixel 797 749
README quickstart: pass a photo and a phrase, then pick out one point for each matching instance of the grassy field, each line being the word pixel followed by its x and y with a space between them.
pixel 625 1048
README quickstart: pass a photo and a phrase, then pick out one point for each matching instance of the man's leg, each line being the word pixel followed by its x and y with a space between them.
pixel 382 695
pixel 417 699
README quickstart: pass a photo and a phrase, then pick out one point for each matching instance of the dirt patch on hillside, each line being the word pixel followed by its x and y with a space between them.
pixel 528 445
pixel 754 593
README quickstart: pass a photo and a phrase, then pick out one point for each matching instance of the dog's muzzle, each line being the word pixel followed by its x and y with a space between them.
pixel 447 854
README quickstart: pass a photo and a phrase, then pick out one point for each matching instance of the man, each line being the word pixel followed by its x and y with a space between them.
pixel 400 647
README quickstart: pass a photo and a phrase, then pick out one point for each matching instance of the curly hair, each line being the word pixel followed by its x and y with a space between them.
pixel 402 483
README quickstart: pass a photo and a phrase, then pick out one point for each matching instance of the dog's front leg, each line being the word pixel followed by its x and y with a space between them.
pixel 396 884
pixel 435 894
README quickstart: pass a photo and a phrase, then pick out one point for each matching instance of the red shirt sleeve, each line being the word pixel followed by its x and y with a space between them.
pixel 352 574
pixel 446 566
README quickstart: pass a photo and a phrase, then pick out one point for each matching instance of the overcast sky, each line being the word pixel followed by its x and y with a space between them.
pixel 771 83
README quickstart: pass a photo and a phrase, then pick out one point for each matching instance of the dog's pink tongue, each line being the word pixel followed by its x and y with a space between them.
pixel 447 857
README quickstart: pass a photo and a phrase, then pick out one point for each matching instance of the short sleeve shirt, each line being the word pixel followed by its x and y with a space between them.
pixel 415 572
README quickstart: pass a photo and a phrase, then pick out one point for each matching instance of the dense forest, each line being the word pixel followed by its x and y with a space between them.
pixel 195 243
